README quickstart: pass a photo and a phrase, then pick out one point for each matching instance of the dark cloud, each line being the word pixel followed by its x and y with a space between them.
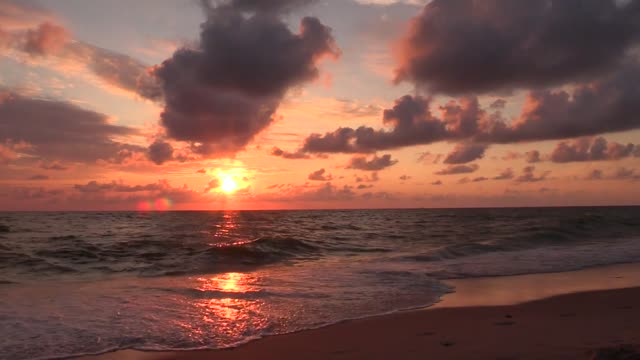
pixel 57 130
pixel 375 164
pixel 114 186
pixel 506 174
pixel 222 93
pixel 591 149
pixel 364 186
pixel 201 171
pixel 276 151
pixel 458 169
pixel 610 104
pixel 319 175
pixel 621 173
pixel 461 46
pixel 366 178
pixel 160 152
pixel 532 156
pixel 479 179
pixel 437 182
pixel 405 177
pixel 464 153
pixel 529 176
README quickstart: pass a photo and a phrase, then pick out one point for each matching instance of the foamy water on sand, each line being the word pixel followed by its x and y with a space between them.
pixel 78 283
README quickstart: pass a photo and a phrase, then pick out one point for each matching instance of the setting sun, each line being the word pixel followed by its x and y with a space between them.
pixel 228 185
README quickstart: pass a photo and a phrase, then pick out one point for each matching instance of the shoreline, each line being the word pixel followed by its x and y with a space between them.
pixel 489 305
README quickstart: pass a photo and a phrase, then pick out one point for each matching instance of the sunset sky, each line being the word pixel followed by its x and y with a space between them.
pixel 246 104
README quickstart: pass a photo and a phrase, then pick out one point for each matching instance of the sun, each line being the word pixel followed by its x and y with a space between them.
pixel 228 185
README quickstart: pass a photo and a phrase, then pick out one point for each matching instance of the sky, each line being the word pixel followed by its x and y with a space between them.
pixel 311 104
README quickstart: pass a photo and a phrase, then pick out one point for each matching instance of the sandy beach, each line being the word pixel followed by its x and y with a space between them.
pixel 588 314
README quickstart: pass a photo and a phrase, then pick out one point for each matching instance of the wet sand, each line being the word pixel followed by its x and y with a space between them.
pixel 586 314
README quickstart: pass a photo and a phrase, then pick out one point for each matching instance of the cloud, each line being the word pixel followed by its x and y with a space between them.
pixel 319 175
pixel 276 151
pixel 437 182
pixel 48 38
pixel 621 173
pixel 506 174
pixel 22 15
pixel 498 104
pixel 595 174
pixel 405 177
pixel 479 179
pixel 464 153
pixel 366 178
pixel 304 193
pixel 220 94
pixel 529 176
pixel 532 156
pixel 57 130
pixel 39 177
pixel 375 164
pixel 458 169
pixel 212 185
pixel 610 104
pixel 53 166
pixel 464 46
pixel 160 152
pixel 591 149
pixel 429 157
pixel 45 39
pixel 625 174
pixel 114 186
pixel 364 186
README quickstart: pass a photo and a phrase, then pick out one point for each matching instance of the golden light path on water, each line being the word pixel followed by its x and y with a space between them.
pixel 227 303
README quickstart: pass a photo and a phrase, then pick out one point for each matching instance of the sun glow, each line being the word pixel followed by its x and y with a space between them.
pixel 228 185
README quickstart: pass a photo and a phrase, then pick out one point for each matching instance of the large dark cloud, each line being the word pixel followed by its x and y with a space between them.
pixel 462 46
pixel 222 93
pixel 464 153
pixel 56 130
pixel 412 124
pixel 610 104
pixel 591 149
pixel 375 164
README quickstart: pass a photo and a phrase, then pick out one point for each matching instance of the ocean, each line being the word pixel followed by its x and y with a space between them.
pixel 76 283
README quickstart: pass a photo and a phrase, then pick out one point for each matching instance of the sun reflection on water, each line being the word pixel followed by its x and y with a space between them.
pixel 231 304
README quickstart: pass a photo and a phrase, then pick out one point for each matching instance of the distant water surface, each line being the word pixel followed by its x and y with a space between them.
pixel 88 282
